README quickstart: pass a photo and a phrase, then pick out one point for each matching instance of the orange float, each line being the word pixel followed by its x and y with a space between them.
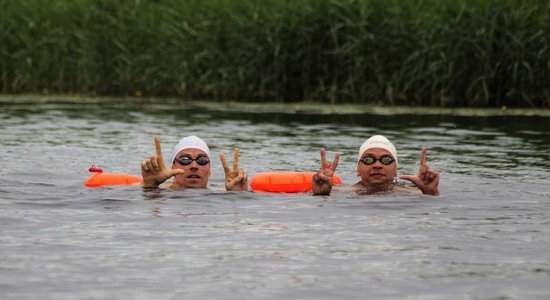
pixel 285 182
pixel 273 182
pixel 100 179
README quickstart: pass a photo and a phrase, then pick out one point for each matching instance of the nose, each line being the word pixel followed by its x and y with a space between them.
pixel 192 166
pixel 377 165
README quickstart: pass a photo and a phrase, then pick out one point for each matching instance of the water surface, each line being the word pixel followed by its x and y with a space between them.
pixel 486 237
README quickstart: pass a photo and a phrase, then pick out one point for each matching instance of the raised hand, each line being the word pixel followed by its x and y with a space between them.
pixel 154 171
pixel 236 179
pixel 322 180
pixel 427 180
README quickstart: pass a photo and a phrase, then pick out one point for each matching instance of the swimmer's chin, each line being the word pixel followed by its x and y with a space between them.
pixel 176 186
pixel 192 182
pixel 378 178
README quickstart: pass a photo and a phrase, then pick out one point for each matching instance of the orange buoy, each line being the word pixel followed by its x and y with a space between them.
pixel 285 182
pixel 100 179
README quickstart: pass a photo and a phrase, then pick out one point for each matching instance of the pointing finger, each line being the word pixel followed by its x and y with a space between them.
pixel 335 162
pixel 323 158
pixel 423 156
pixel 236 159
pixel 157 146
pixel 224 164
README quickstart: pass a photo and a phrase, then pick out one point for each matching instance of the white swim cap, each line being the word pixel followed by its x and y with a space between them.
pixel 187 143
pixel 378 141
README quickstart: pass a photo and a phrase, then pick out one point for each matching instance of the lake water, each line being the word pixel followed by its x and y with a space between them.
pixel 486 237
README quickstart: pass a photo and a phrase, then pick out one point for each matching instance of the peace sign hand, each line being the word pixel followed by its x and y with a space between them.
pixel 236 179
pixel 322 180
pixel 427 180
pixel 154 171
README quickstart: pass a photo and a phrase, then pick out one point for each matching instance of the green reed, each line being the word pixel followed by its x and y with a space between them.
pixel 433 52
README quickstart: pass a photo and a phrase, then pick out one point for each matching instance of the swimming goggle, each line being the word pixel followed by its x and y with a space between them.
pixel 186 160
pixel 385 160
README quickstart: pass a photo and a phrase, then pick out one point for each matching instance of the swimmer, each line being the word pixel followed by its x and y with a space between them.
pixel 190 167
pixel 377 168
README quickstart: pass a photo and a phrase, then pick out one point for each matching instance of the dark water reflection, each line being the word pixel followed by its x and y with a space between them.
pixel 486 236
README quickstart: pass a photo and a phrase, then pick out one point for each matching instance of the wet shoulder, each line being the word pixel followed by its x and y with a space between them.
pixel 398 188
pixel 403 188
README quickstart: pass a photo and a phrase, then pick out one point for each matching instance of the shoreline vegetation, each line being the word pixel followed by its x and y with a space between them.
pixel 316 108
pixel 380 53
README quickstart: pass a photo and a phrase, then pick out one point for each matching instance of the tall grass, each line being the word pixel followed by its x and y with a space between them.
pixel 447 53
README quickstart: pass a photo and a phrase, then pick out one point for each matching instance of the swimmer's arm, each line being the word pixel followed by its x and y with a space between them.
pixel 321 183
pixel 408 189
pixel 154 171
pixel 236 180
pixel 427 179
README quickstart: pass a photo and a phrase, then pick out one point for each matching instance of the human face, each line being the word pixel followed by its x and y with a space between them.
pixel 195 176
pixel 376 173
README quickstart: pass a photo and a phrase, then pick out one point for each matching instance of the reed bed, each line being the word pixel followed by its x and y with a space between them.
pixel 446 53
